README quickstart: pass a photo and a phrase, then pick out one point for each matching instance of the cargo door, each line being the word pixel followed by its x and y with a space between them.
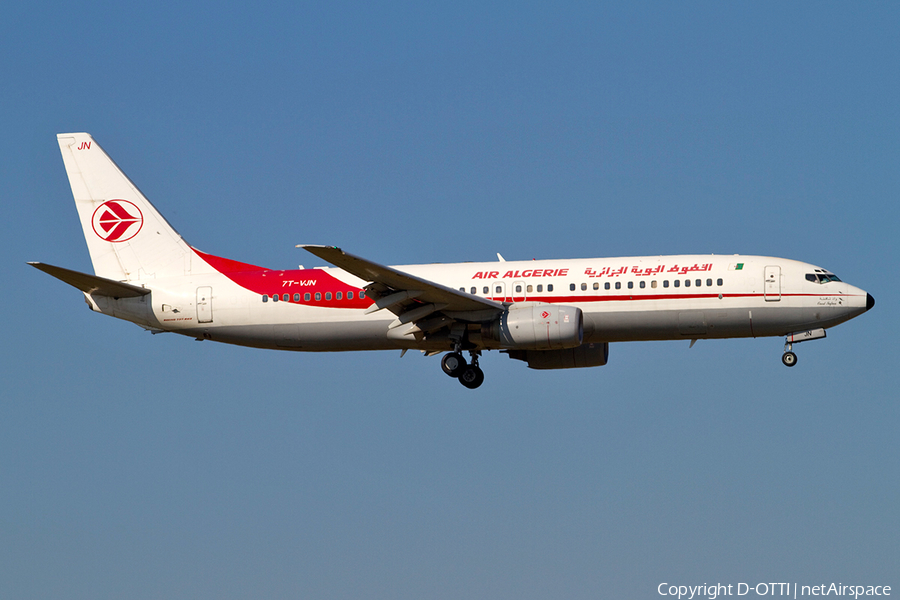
pixel 692 323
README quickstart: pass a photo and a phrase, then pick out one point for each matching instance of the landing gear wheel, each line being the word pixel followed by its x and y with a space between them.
pixel 789 359
pixel 471 377
pixel 453 364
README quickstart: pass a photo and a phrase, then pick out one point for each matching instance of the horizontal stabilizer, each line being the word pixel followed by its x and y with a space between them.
pixel 92 284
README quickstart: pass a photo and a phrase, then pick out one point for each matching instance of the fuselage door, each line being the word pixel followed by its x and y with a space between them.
pixel 204 304
pixel 517 291
pixel 772 290
pixel 498 291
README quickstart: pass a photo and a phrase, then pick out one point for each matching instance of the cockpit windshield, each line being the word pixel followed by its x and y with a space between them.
pixel 821 277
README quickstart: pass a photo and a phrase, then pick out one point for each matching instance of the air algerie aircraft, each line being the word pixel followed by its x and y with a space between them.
pixel 552 314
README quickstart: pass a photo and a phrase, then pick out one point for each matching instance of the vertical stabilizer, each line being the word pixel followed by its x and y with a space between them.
pixel 127 238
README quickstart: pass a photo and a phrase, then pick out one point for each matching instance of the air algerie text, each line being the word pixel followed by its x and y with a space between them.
pixel 517 274
pixel 635 270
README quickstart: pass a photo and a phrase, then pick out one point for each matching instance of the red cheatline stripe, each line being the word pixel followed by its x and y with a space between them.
pixel 626 298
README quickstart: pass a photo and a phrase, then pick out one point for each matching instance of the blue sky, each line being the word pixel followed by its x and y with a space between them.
pixel 147 466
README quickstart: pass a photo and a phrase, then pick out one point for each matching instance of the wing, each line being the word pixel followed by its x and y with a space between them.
pixel 426 304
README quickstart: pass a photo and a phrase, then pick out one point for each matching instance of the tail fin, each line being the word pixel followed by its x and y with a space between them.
pixel 126 236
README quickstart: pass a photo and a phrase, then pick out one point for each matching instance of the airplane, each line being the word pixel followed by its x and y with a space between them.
pixel 551 314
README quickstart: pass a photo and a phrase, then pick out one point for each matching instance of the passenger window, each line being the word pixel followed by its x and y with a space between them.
pixel 687 283
pixel 318 296
pixel 596 286
pixel 462 289
pixel 618 285
pixel 473 290
pixel 296 297
pixel 518 289
pixel 698 282
pixel 630 285
pixel 653 283
pixel 286 297
pixel 606 286
pixel 708 283
pixel 549 287
pixel 583 287
pixel 540 287
pixel 665 283
pixel 498 289
pixel 677 283
pixel 306 296
pixel 529 288
pixel 571 287
pixel 274 297
pixel 350 295
pixel 328 295
pixel 486 289
pixel 339 296
pixel 718 282
pixel 643 284
pixel 265 298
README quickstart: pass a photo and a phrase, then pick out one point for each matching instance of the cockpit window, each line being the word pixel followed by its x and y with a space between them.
pixel 821 277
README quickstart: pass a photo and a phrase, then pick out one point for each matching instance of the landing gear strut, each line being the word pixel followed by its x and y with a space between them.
pixel 470 375
pixel 788 358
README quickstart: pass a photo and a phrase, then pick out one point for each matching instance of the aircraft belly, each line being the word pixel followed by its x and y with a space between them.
pixel 310 337
pixel 758 321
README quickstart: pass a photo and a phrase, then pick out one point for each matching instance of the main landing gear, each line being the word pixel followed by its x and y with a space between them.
pixel 470 375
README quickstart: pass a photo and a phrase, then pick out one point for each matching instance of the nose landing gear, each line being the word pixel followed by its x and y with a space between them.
pixel 470 375
pixel 789 358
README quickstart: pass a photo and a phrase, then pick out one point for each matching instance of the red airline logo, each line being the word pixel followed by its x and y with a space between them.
pixel 117 220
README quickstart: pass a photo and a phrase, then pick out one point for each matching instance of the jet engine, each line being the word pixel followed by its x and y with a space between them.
pixel 536 327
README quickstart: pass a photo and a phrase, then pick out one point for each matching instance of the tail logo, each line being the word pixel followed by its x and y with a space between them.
pixel 117 220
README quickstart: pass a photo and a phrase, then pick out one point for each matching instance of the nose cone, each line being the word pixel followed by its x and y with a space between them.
pixel 870 301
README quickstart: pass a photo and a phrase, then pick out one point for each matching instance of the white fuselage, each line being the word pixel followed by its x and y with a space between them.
pixel 622 299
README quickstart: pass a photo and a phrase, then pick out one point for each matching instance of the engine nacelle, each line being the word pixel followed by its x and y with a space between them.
pixel 537 327
pixel 586 355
